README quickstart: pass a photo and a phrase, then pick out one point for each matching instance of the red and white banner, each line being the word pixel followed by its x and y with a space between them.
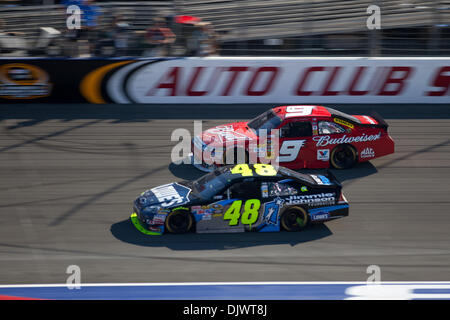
pixel 282 80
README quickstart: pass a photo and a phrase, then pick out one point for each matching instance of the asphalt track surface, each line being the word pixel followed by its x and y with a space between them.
pixel 68 175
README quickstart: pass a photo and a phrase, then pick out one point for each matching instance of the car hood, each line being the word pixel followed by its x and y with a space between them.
pixel 165 196
pixel 228 132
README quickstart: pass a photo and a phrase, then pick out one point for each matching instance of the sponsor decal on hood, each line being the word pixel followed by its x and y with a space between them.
pixel 166 196
pixel 228 132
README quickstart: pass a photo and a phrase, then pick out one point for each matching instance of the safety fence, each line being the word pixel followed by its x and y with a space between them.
pixel 250 27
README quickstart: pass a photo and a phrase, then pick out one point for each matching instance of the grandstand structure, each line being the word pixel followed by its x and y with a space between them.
pixel 276 27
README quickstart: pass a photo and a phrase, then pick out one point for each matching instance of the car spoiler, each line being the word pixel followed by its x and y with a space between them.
pixel 333 178
pixel 381 122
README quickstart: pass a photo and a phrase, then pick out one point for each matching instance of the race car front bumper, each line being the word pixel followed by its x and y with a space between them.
pixel 141 227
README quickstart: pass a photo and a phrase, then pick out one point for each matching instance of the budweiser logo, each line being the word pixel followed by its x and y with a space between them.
pixel 323 141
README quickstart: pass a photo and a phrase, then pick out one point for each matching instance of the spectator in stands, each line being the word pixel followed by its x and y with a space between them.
pixel 121 35
pixel 90 23
pixel 88 35
pixel 210 47
pixel 202 41
pixel 158 38
pixel 194 37
pixel 114 37
pixel 12 43
pixel 72 36
pixel 2 35
pixel 68 3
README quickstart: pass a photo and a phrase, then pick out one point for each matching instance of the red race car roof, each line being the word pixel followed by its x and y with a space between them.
pixel 295 111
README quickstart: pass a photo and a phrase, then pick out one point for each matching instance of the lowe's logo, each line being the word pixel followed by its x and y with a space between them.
pixel 320 216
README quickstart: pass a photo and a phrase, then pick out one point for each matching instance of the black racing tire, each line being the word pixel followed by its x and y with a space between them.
pixel 294 219
pixel 179 221
pixel 235 150
pixel 343 156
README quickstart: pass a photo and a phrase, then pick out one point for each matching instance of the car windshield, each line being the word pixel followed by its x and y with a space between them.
pixel 268 121
pixel 207 186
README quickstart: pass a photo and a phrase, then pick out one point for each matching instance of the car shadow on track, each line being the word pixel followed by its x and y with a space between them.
pixel 360 170
pixel 126 232
pixel 185 171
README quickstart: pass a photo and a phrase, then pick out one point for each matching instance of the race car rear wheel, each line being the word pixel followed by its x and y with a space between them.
pixel 294 219
pixel 179 221
pixel 343 157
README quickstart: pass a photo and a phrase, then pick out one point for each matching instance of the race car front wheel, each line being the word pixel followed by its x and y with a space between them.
pixel 294 219
pixel 343 157
pixel 179 221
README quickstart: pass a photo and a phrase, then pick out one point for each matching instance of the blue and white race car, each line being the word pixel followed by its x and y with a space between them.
pixel 238 198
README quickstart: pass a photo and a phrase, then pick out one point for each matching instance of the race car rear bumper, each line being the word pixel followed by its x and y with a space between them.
pixel 328 213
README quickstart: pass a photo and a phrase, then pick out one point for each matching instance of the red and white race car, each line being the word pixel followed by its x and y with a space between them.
pixel 309 137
